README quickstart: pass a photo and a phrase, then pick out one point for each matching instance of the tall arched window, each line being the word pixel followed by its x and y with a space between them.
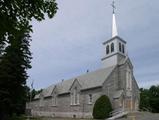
pixel 112 47
pixel 54 99
pixel 90 99
pixel 75 96
pixel 123 49
pixel 129 80
pixel 71 95
pixel 41 101
pixel 120 47
pixel 107 49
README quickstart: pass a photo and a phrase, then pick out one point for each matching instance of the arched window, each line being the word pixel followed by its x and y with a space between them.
pixel 123 49
pixel 112 47
pixel 90 99
pixel 75 97
pixel 71 95
pixel 120 47
pixel 54 99
pixel 129 80
pixel 41 101
pixel 107 49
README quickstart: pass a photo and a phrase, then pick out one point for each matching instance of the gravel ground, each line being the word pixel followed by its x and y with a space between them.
pixel 141 116
pixel 133 116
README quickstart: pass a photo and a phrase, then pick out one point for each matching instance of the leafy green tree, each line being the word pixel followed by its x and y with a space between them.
pixel 15 62
pixel 15 55
pixel 149 99
pixel 15 12
pixel 102 108
pixel 31 93
pixel 144 100
pixel 154 98
pixel 35 92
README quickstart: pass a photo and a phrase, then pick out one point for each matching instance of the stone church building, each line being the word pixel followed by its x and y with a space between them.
pixel 76 97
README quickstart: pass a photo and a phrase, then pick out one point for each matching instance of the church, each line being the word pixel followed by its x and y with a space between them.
pixel 75 98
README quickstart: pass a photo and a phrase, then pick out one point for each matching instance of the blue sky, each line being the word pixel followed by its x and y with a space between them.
pixel 71 42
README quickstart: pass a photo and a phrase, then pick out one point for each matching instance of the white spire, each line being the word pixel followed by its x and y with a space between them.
pixel 114 26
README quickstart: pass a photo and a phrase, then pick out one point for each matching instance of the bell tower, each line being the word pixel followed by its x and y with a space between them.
pixel 114 48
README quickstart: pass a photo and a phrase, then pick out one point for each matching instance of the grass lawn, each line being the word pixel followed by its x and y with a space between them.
pixel 133 116
pixel 25 118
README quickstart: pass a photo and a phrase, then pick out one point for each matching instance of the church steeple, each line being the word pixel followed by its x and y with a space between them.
pixel 114 26
pixel 114 48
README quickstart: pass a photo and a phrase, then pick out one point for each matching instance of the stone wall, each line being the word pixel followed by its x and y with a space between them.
pixel 116 81
pixel 64 108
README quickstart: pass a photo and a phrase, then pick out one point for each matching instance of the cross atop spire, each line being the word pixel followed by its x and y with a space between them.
pixel 114 26
pixel 113 6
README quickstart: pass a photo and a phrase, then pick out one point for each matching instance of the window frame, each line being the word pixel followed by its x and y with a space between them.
pixel 90 99
pixel 112 47
pixel 54 99
pixel 120 47
pixel 123 48
pixel 75 97
pixel 129 80
pixel 107 49
pixel 41 104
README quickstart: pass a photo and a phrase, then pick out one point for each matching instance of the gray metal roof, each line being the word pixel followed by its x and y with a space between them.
pixel 116 37
pixel 94 79
pixel 87 81
pixel 47 91
pixel 64 86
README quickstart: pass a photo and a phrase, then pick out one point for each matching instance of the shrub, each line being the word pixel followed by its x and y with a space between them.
pixel 102 108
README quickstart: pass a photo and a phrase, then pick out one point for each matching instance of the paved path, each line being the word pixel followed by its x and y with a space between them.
pixel 141 116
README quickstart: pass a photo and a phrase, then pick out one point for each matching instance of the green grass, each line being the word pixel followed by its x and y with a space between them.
pixel 58 119
pixel 44 118
pixel 17 118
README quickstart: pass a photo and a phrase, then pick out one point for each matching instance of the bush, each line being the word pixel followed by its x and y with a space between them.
pixel 102 108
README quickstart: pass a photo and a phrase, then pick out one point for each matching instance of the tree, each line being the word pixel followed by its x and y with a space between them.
pixel 15 62
pixel 149 99
pixel 144 100
pixel 154 98
pixel 15 56
pixel 31 93
pixel 102 108
pixel 15 12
